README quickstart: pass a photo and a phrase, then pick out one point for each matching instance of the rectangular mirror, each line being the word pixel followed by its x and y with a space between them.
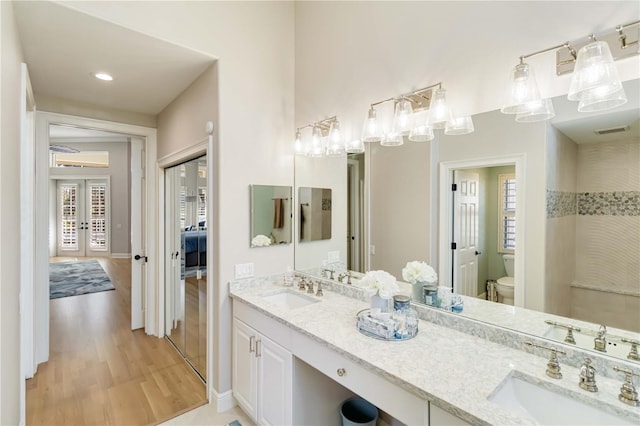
pixel 315 214
pixel 270 215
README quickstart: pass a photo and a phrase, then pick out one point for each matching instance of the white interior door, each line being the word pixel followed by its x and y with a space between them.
pixel 465 233
pixel 138 258
pixel 83 218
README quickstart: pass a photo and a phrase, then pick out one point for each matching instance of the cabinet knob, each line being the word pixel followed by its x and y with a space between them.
pixel 341 372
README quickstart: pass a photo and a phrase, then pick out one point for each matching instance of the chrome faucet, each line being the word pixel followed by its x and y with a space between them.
pixel 302 284
pixel 310 287
pixel 600 342
pixel 319 292
pixel 570 329
pixel 633 352
pixel 628 393
pixel 587 376
pixel 330 271
pixel 553 366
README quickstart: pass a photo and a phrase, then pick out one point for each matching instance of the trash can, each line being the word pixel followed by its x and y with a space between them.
pixel 358 412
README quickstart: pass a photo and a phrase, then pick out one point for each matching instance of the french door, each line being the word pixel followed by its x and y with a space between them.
pixel 82 217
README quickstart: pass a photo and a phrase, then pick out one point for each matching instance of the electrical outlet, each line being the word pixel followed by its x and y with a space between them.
pixel 372 249
pixel 333 256
pixel 244 270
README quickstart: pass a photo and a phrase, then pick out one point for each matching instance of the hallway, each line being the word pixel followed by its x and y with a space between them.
pixel 100 372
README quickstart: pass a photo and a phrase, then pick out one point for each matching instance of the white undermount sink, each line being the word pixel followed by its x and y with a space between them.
pixel 615 347
pixel 547 407
pixel 289 299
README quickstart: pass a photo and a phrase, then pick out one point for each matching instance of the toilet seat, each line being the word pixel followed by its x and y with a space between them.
pixel 506 281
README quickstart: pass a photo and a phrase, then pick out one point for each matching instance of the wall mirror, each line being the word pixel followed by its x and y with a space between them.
pixel 577 180
pixel 270 215
pixel 186 260
pixel 314 214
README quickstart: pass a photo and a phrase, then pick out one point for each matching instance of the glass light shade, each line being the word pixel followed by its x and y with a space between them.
pixel 459 126
pixel 317 143
pixel 298 145
pixel 355 147
pixel 536 111
pixel 402 118
pixel 372 130
pixel 594 70
pixel 439 110
pixel 421 131
pixel 592 100
pixel 522 91
pixel 392 139
pixel 335 143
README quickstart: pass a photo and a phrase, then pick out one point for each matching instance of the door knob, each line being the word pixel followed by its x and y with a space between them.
pixel 138 257
pixel 478 253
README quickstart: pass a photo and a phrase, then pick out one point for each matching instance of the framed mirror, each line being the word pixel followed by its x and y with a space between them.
pixel 314 214
pixel 270 215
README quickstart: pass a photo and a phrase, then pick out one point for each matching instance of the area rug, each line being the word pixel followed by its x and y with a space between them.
pixel 75 278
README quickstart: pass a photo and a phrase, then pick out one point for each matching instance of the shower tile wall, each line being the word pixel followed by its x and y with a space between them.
pixel 608 234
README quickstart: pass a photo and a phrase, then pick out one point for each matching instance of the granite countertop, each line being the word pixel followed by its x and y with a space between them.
pixel 454 370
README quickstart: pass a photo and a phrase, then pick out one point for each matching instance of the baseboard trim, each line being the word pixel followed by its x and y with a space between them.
pixel 120 255
pixel 224 401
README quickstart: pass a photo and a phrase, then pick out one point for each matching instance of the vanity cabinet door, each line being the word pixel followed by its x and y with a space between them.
pixel 439 417
pixel 244 371
pixel 275 382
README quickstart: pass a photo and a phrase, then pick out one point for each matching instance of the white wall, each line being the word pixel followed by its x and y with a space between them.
pixel 254 44
pixel 119 171
pixel 10 60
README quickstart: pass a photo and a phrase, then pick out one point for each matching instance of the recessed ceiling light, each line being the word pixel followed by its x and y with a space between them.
pixel 102 76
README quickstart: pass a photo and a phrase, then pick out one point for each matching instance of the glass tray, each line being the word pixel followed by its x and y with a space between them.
pixel 381 330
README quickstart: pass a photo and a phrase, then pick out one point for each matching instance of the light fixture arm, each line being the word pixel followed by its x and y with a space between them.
pixel 559 46
pixel 623 37
pixel 412 96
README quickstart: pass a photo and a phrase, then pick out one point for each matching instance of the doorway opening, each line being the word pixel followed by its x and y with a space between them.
pixel 82 220
pixel 481 227
pixel 355 213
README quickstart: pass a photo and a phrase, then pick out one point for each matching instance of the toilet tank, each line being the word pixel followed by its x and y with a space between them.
pixel 509 260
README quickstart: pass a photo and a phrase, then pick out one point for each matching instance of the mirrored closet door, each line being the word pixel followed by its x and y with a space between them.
pixel 186 260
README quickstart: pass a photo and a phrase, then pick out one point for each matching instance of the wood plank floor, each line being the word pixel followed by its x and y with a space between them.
pixel 100 372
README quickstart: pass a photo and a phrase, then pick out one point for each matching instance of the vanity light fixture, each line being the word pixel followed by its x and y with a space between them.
pixel 326 139
pixel 416 114
pixel 595 83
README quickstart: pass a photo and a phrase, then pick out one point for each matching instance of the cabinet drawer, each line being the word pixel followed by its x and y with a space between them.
pixel 387 396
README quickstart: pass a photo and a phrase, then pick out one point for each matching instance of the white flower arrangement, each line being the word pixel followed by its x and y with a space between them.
pixel 383 282
pixel 260 241
pixel 417 271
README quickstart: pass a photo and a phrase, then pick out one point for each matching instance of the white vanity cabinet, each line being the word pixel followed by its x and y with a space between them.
pixel 262 376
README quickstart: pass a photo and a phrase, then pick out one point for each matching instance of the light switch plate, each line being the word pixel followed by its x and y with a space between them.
pixel 243 270
pixel 372 249
pixel 333 256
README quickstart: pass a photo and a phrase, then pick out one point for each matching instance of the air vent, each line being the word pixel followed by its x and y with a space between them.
pixel 612 130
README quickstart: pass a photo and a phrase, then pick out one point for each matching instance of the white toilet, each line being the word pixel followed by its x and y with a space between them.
pixel 505 285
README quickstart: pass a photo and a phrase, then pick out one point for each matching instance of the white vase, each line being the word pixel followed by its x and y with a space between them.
pixel 380 303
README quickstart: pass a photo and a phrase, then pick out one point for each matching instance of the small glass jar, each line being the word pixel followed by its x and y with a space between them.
pixel 431 295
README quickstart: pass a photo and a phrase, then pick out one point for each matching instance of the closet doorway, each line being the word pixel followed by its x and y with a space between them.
pixel 186 261
pixel 82 217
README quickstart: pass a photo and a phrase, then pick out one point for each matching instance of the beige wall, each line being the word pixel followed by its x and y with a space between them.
pixel 119 171
pixel 254 45
pixel 10 60
pixel 561 228
pixel 399 206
